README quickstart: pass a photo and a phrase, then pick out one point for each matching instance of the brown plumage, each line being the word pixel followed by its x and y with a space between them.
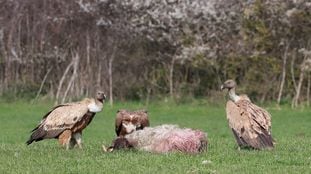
pixel 66 121
pixel 129 121
pixel 250 124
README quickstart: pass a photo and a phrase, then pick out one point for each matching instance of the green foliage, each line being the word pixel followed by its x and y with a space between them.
pixel 188 40
pixel 252 72
pixel 291 130
pixel 21 91
pixel 199 61
pixel 1 59
pixel 301 23
pixel 255 29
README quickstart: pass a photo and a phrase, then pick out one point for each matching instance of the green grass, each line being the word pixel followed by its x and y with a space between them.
pixel 291 129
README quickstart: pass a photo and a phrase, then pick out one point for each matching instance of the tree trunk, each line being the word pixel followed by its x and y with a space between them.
pixel 88 70
pixel 4 55
pixel 263 97
pixel 110 74
pixel 171 77
pixel 308 90
pixel 148 96
pixel 296 98
pixel 292 72
pixel 42 83
pixel 75 60
pixel 8 72
pixel 99 76
pixel 283 75
pixel 62 81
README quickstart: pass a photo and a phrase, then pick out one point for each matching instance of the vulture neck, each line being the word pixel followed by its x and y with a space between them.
pixel 233 96
pixel 99 100
pixel 95 105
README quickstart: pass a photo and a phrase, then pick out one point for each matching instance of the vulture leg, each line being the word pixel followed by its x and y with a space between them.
pixel 78 139
pixel 65 139
pixel 72 143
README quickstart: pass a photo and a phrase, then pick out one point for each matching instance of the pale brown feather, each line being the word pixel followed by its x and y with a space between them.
pixel 139 118
pixel 60 118
pixel 250 124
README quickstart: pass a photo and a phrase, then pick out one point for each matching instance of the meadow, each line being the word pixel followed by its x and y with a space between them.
pixel 291 130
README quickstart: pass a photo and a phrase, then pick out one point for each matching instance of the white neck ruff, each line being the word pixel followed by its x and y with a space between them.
pixel 94 108
pixel 233 96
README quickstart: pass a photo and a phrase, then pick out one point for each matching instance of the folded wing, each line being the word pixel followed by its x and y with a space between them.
pixel 59 119
pixel 251 125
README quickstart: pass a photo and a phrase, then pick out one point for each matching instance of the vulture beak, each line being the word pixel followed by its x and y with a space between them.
pixel 222 87
pixel 104 148
pixel 109 149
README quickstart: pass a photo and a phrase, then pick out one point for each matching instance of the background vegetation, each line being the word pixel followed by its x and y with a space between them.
pixel 145 50
pixel 167 56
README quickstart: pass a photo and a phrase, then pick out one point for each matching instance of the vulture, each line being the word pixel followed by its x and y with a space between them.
pixel 250 124
pixel 162 139
pixel 66 122
pixel 129 121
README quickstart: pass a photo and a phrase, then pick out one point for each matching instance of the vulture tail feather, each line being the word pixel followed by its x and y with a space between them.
pixel 265 141
pixel 37 135
pixel 40 134
pixel 239 140
pixel 29 141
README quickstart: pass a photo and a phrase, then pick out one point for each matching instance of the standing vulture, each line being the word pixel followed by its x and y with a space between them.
pixel 250 124
pixel 129 121
pixel 66 121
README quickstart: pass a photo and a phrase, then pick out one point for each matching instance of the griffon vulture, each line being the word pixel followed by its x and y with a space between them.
pixel 129 121
pixel 250 124
pixel 162 139
pixel 66 121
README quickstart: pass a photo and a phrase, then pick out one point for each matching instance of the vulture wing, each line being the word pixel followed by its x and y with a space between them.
pixel 138 118
pixel 118 123
pixel 250 124
pixel 143 119
pixel 60 118
pixel 237 122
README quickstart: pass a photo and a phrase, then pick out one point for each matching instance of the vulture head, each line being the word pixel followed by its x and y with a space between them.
pixel 129 121
pixel 100 96
pixel 118 144
pixel 229 84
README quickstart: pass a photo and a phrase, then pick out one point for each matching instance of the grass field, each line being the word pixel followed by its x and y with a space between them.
pixel 291 129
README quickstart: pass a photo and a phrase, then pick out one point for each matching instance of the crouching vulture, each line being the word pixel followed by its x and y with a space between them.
pixel 66 122
pixel 162 139
pixel 129 121
pixel 250 124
